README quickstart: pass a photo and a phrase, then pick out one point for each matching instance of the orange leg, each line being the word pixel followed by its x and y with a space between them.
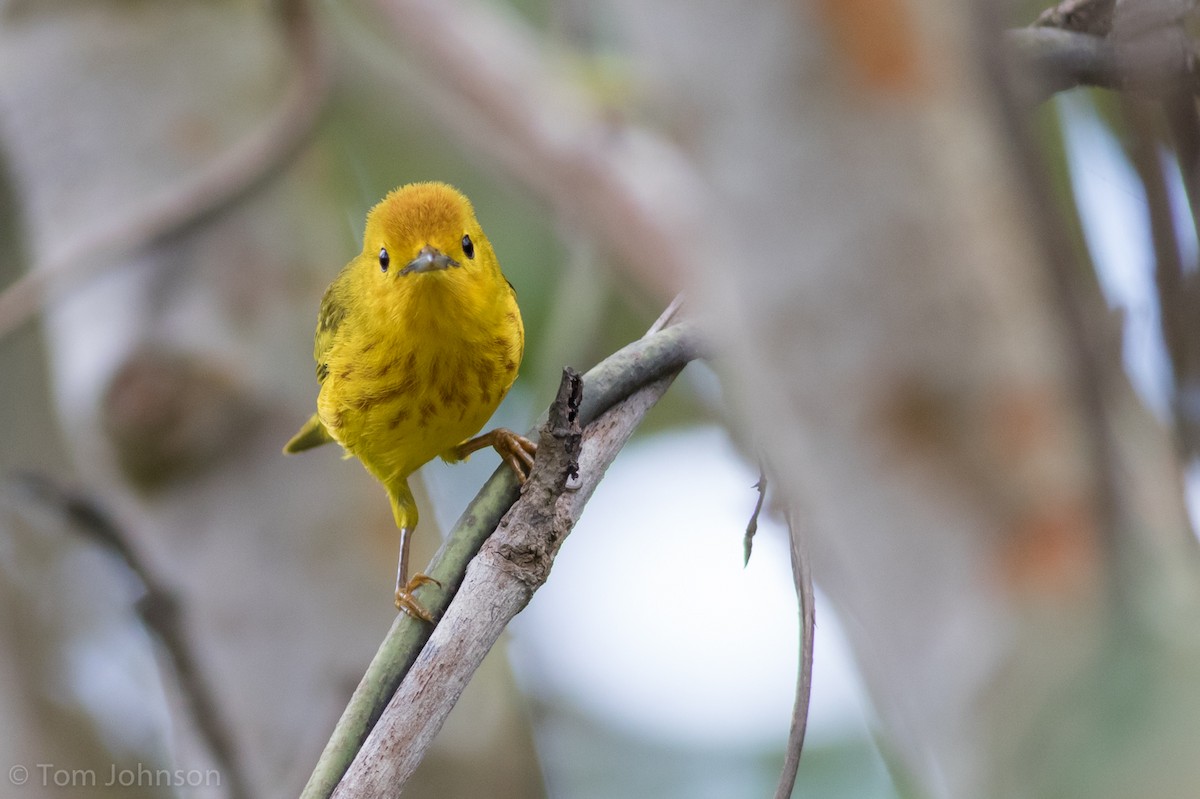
pixel 516 450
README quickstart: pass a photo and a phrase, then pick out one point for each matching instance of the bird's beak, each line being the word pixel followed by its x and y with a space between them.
pixel 429 259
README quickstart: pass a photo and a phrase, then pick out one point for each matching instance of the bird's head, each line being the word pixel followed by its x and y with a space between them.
pixel 425 228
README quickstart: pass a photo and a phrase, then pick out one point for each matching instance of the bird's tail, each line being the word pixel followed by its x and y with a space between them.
pixel 312 434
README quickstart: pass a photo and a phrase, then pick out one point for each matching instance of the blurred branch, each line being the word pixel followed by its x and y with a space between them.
pixel 1144 47
pixel 802 577
pixel 1081 16
pixel 1184 124
pixel 494 86
pixel 752 525
pixel 1096 43
pixel 1058 60
pixel 218 185
pixel 1090 375
pixel 1145 155
pixel 653 359
pixel 160 611
pixel 1179 294
pixel 1174 280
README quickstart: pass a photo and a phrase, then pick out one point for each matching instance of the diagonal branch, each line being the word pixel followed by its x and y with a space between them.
pixel 160 611
pixel 647 361
pixel 513 564
pixel 498 584
pixel 496 87
pixel 229 178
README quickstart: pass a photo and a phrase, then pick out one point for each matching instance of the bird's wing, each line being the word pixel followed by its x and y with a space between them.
pixel 332 312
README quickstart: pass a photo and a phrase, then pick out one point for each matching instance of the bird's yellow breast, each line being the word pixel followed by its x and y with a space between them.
pixel 411 374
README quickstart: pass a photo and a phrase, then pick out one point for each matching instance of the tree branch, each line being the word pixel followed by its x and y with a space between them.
pixel 1079 43
pixel 1174 280
pixel 1055 60
pixel 645 362
pixel 752 525
pixel 1082 16
pixel 802 577
pixel 1091 372
pixel 499 583
pixel 1179 291
pixel 216 186
pixel 496 87
pixel 160 612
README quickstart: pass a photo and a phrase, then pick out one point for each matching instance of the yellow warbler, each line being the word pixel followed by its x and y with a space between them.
pixel 418 339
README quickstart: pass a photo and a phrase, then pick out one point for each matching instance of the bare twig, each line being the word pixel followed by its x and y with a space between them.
pixel 221 183
pixel 667 316
pixel 752 525
pixel 802 576
pixel 159 609
pixel 639 364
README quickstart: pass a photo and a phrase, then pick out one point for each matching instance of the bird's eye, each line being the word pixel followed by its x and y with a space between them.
pixel 468 247
pixel 383 258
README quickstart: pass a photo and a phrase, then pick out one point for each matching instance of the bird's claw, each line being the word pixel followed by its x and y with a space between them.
pixel 517 451
pixel 408 603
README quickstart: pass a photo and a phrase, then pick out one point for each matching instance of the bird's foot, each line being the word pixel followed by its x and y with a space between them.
pixel 408 603
pixel 516 450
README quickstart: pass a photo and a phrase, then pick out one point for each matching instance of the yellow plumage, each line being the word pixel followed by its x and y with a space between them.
pixel 418 340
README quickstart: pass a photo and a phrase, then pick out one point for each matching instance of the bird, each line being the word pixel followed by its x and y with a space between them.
pixel 418 339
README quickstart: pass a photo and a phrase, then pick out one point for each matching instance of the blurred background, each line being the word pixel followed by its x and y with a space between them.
pixel 947 266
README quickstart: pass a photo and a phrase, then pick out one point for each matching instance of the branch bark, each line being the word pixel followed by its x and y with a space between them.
pixel 1056 60
pixel 802 578
pixel 511 566
pixel 622 376
pixel 499 583
pixel 1079 43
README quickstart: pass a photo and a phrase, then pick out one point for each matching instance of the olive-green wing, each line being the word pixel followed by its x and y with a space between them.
pixel 520 324
pixel 333 311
